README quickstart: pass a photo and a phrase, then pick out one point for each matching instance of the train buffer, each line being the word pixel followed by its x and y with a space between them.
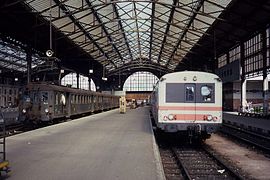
pixel 4 164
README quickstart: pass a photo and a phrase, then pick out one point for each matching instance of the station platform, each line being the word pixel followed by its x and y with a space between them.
pixel 251 123
pixel 105 146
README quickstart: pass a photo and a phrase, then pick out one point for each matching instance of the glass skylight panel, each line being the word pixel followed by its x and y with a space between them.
pixel 135 18
pixel 39 5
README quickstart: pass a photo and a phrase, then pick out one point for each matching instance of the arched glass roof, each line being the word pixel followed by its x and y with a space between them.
pixel 13 57
pixel 145 33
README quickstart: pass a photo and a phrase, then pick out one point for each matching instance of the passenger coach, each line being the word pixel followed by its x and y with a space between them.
pixel 189 102
pixel 43 102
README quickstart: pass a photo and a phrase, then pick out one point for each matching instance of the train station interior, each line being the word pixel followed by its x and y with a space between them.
pixel 82 94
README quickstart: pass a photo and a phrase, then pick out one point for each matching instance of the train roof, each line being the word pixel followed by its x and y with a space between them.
pixel 187 74
pixel 191 73
pixel 44 86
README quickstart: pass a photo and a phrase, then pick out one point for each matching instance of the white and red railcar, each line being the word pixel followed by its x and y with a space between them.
pixel 188 102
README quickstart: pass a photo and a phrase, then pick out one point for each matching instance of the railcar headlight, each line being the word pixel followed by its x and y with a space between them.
pixel 171 117
pixel 46 110
pixel 24 111
pixel 209 117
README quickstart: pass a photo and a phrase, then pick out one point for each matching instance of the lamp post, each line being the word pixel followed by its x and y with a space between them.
pixel 91 71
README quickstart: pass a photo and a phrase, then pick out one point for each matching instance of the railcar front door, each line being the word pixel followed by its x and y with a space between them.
pixel 190 101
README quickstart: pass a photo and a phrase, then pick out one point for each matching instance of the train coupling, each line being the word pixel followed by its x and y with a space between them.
pixel 194 130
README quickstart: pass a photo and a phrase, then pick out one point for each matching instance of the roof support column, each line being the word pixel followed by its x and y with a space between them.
pixel 29 63
pixel 265 79
pixel 89 82
pixel 78 80
pixel 243 78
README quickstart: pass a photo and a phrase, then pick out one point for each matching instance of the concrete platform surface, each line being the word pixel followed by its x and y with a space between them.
pixel 105 146
pixel 261 123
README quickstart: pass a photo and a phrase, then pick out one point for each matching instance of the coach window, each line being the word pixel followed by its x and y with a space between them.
pixel 206 92
pixel 44 96
pixel 189 93
pixel 71 99
pixel 56 99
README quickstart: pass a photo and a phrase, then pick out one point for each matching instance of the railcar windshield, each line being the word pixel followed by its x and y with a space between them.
pixel 190 93
pixel 206 92
pixel 44 96
pixel 26 97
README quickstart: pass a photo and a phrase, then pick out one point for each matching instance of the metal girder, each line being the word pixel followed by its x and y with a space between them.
pixel 124 32
pixel 167 29
pixel 185 31
pixel 104 29
pixel 83 30
pixel 145 66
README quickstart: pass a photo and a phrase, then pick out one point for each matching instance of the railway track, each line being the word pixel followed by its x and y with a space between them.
pixel 15 129
pixel 187 161
pixel 254 139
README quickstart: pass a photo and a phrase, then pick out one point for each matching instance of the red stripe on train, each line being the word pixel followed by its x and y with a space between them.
pixel 190 117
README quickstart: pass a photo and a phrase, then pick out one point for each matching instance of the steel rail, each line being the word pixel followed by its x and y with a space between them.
pixel 249 137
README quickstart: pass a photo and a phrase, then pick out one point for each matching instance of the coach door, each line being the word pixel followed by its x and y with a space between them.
pixel 190 101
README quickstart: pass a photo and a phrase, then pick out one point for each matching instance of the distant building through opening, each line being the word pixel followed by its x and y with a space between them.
pixel 71 79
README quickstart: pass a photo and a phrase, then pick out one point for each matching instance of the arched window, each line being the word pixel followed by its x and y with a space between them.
pixel 71 79
pixel 140 81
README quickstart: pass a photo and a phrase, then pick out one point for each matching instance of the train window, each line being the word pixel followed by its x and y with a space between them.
pixel 44 96
pixel 35 97
pixel 206 92
pixel 63 99
pixel 10 91
pixel 56 99
pixel 71 99
pixel 189 93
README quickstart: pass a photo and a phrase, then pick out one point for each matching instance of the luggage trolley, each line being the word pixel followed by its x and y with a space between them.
pixel 4 164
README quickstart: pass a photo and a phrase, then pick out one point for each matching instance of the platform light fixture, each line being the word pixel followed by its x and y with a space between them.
pixel 103 76
pixel 16 79
pixel 91 71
